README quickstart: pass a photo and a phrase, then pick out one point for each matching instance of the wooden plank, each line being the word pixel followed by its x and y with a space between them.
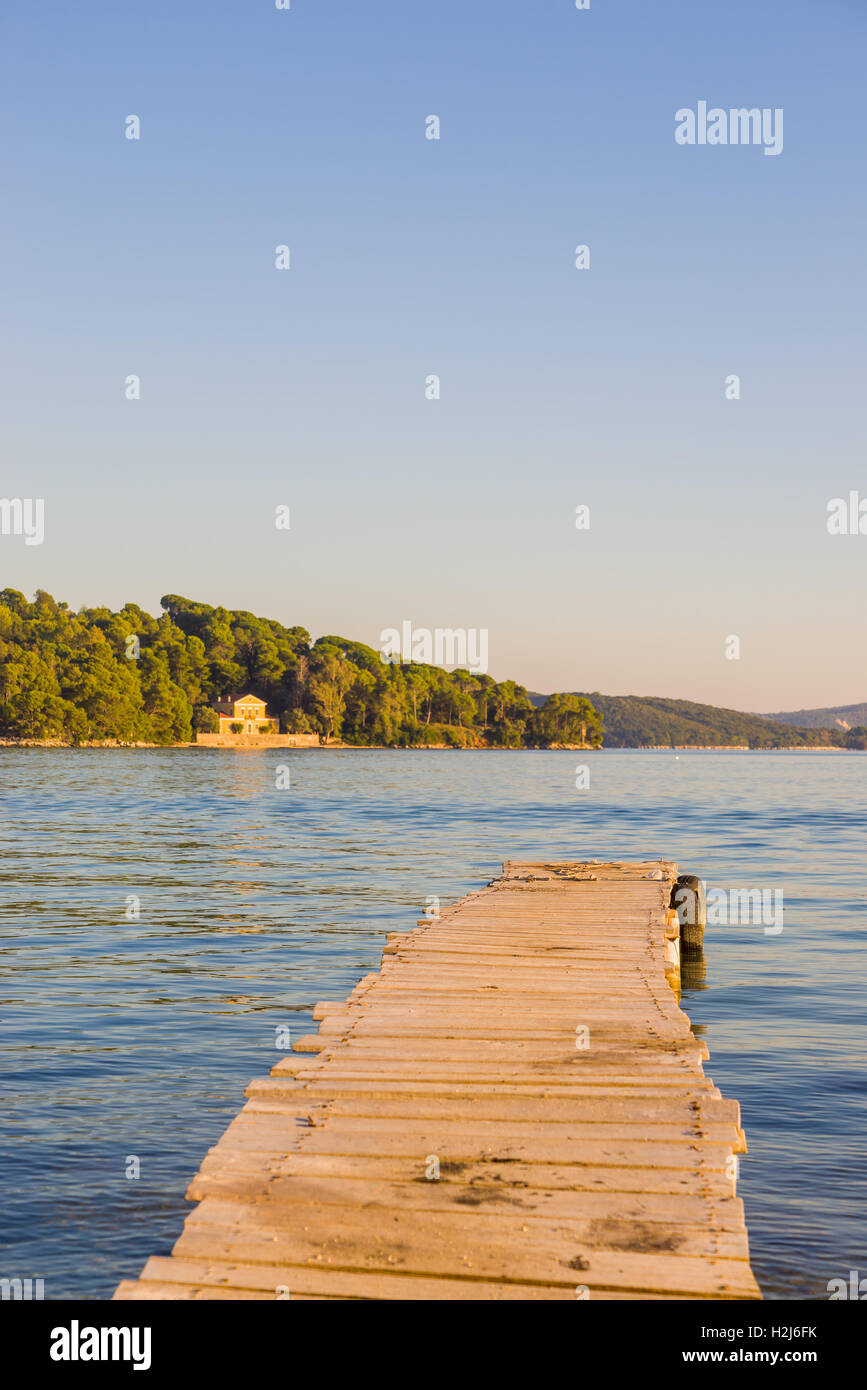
pixel 317 1087
pixel 498 1051
pixel 258 1281
pixel 462 1143
pixel 383 1197
pixel 562 1263
pixel 423 1240
pixel 381 1118
pixel 568 1177
pixel 551 1107
pixel 416 1131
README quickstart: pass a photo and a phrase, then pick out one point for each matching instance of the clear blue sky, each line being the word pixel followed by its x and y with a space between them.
pixel 454 257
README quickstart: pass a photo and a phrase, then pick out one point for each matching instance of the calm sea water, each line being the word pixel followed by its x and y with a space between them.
pixel 127 1036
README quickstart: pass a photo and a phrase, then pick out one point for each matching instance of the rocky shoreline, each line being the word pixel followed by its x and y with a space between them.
pixel 266 745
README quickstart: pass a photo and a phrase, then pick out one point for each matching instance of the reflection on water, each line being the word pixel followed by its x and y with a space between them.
pixel 693 976
pixel 136 1037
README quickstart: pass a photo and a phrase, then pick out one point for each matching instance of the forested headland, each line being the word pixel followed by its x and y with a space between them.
pixel 634 721
pixel 96 675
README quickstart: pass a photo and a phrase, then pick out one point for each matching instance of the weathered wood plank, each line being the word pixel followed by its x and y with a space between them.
pixel 258 1281
pixel 561 1263
pixel 724 1214
pixel 267 1164
pixel 462 1143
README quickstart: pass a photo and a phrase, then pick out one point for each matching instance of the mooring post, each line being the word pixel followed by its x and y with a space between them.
pixel 689 901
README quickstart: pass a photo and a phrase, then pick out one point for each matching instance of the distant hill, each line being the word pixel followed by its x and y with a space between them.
pixel 836 717
pixel 636 721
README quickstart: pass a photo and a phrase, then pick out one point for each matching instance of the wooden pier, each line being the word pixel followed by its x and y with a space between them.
pixel 513 1107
